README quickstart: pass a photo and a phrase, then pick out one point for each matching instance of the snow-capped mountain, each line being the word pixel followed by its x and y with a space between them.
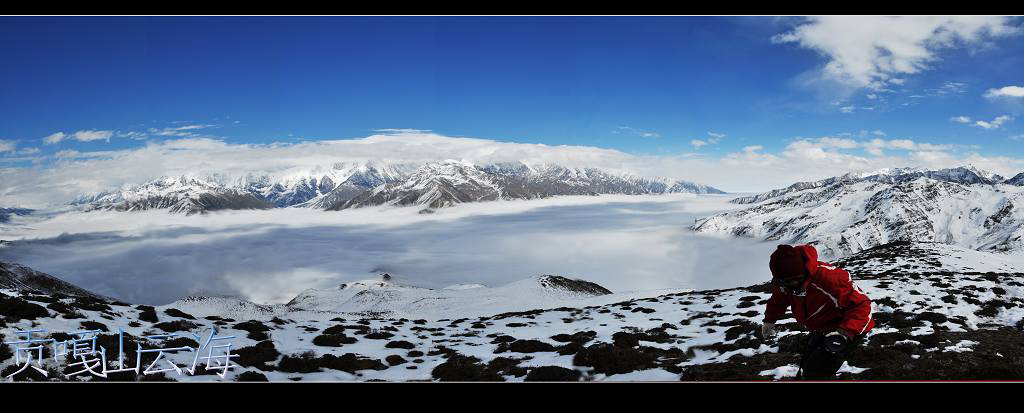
pixel 447 183
pixel 434 185
pixel 1016 180
pixel 183 195
pixel 841 215
pixel 318 187
pixel 357 184
pixel 962 175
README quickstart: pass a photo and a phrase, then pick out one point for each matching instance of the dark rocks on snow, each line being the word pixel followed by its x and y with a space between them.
pixel 340 328
pixel 530 346
pixel 176 325
pixel 257 356
pixel 503 339
pixel 624 339
pixel 252 376
pixel 463 368
pixel 303 363
pixel 91 304
pixel 581 337
pixel 506 366
pixel 400 344
pixel 553 373
pixel 569 284
pixel 379 335
pixel 174 312
pixel 611 359
pixel 93 325
pixel 395 360
pixel 350 363
pixel 147 313
pixel 257 330
pixel 333 340
pixel 14 309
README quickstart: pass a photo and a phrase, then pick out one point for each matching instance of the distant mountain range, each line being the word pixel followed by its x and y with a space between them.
pixel 963 206
pixel 353 185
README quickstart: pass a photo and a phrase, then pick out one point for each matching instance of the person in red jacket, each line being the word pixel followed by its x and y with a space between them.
pixel 824 299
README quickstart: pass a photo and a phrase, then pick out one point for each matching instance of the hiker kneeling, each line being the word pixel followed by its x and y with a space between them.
pixel 824 299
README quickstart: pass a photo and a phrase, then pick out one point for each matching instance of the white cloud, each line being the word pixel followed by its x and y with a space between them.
pixel 75 173
pixel 181 131
pixel 619 130
pixel 131 135
pixel 191 127
pixel 92 135
pixel 995 123
pixel 1006 91
pixel 29 151
pixel 54 138
pixel 872 51
pixel 7 146
pixel 830 142
pixel 713 138
pixel 948 88
pixel 960 119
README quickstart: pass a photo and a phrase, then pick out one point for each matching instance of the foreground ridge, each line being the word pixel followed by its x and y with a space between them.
pixel 942 313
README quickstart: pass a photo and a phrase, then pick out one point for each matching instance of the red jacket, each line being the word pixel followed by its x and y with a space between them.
pixel 830 299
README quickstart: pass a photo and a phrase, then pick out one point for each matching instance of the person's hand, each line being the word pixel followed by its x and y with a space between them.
pixel 836 342
pixel 768 330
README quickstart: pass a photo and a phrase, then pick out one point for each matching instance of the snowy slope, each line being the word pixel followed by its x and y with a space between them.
pixel 14 277
pixel 952 313
pixel 387 299
pixel 842 215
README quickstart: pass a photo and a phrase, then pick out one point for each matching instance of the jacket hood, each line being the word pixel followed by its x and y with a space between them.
pixel 810 257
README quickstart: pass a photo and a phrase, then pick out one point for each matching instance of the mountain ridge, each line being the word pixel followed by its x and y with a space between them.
pixel 353 184
pixel 849 213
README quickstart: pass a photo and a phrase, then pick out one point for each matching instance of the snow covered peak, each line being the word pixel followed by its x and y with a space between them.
pixel 967 175
pixel 351 184
pixel 956 206
pixel 184 194
pixel 984 174
pixel 1017 180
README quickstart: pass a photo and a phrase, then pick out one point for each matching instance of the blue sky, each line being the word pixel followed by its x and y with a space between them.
pixel 642 85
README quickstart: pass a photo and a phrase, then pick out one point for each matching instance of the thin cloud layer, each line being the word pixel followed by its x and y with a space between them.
pixel 623 243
